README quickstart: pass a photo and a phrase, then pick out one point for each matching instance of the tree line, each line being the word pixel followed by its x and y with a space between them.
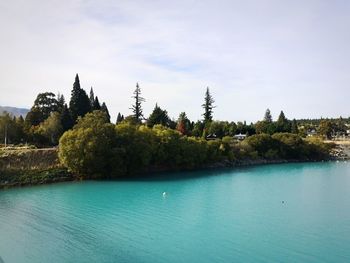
pixel 50 116
pixel 96 148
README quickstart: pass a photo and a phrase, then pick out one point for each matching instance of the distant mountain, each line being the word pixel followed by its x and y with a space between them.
pixel 14 111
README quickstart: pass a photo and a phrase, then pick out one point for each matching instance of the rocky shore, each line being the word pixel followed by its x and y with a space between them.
pixel 341 151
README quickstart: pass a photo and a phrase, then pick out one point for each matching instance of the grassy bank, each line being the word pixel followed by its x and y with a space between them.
pixel 23 166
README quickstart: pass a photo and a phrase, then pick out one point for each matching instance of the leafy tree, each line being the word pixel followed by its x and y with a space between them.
pixel 105 110
pixel 158 116
pixel 130 120
pixel 198 129
pixel 52 128
pixel 11 128
pixel 326 128
pixel 33 118
pixel 220 129
pixel 89 149
pixel 340 125
pixel 294 127
pixel 79 103
pixel 137 108
pixel 268 116
pixel 44 104
pixel 92 120
pixel 47 103
pixel 183 124
pixel 265 127
pixel 137 143
pixel 208 106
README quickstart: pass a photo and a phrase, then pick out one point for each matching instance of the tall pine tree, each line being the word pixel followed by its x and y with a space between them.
pixel 79 103
pixel 136 108
pixel 92 97
pixel 208 107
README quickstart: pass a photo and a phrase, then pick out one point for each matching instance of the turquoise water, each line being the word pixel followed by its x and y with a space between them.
pixel 276 213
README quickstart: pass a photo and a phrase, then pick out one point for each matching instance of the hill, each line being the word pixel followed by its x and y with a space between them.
pixel 14 111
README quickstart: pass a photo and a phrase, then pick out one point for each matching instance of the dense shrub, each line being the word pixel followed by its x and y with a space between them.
pixel 94 148
pixel 88 148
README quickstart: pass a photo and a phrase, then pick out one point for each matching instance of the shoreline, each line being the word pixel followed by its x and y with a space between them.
pixel 51 176
pixel 28 168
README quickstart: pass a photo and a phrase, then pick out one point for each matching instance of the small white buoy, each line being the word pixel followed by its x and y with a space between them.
pixel 165 194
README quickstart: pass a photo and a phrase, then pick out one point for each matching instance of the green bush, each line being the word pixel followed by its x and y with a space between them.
pixel 87 150
pixel 94 148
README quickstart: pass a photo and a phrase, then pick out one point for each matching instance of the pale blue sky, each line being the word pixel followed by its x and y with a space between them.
pixel 290 55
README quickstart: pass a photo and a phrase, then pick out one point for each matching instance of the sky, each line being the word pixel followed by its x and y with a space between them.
pixel 290 55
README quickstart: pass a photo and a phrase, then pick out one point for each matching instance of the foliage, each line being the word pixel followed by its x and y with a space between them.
pixel 66 119
pixel 326 128
pixel 294 127
pixel 12 128
pixel 79 103
pixel 287 146
pixel 268 116
pixel 96 104
pixel 158 116
pixel 120 118
pixel 183 124
pixel 105 110
pixel 44 104
pixel 52 128
pixel 283 124
pixel 87 149
pixel 198 128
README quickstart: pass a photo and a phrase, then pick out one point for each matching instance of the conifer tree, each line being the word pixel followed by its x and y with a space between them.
pixel 268 116
pixel 294 128
pixel 60 102
pixel 136 108
pixel 96 105
pixel 158 116
pixel 208 107
pixel 283 124
pixel 79 103
pixel 92 97
pixel 66 119
pixel 105 109
pixel 120 118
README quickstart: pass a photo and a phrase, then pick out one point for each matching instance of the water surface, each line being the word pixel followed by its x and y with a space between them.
pixel 275 213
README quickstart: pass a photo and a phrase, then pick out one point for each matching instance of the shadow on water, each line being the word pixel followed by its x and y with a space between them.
pixel 201 173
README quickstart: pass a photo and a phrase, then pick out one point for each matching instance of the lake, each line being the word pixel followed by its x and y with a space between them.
pixel 272 213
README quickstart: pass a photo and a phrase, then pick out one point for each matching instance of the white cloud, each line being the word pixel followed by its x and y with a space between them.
pixel 252 54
